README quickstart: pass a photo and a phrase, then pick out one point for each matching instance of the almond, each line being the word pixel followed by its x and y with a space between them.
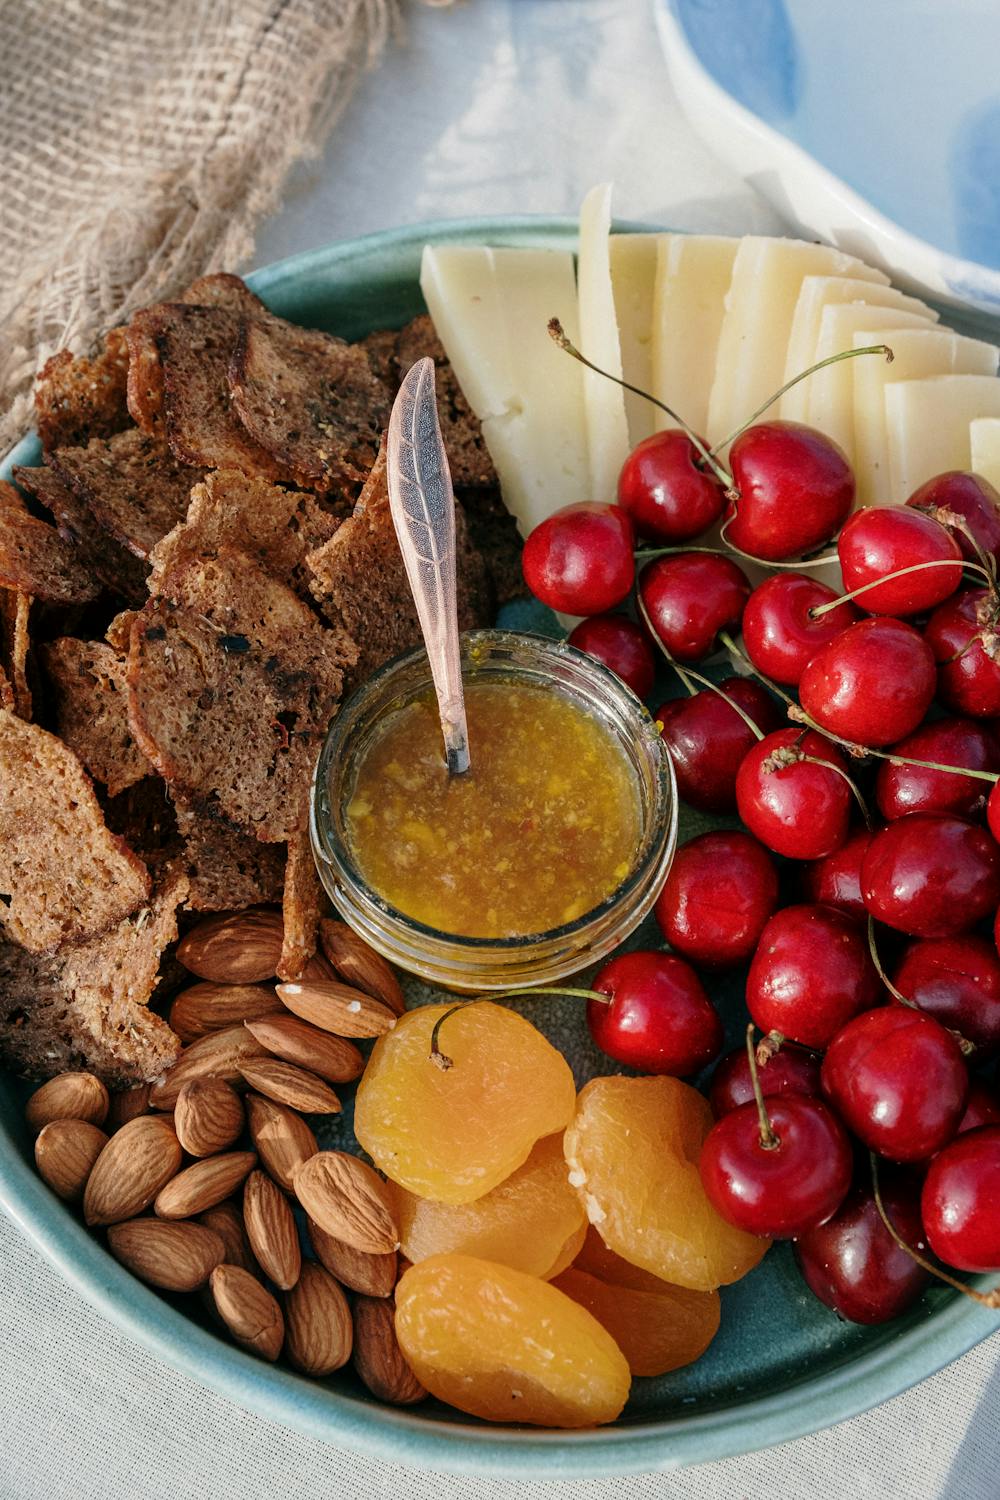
pixel 318 1331
pixel 65 1152
pixel 378 1358
pixel 138 1160
pixel 241 948
pixel 248 1310
pixel 282 1138
pixel 361 1270
pixel 348 1199
pixel 271 1230
pixel 176 1257
pixel 217 1055
pixel 203 1185
pixel 227 1221
pixel 359 964
pixel 295 1041
pixel 208 1116
pixel 127 1105
pixel 207 1007
pixel 337 1008
pixel 317 967
pixel 70 1096
pixel 290 1085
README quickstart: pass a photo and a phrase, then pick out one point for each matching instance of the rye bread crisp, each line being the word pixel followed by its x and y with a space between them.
pixel 102 559
pixel 64 877
pixel 310 399
pixel 85 1006
pixel 77 398
pixel 35 559
pixel 87 679
pixel 132 485
pixel 227 870
pixel 302 906
pixel 15 644
pixel 468 456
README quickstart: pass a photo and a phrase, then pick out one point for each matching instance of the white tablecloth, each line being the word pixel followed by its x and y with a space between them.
pixel 492 106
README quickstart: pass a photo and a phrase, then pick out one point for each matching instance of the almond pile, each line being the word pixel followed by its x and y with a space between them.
pixel 202 1180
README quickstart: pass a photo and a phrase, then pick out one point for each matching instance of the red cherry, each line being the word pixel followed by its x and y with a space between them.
pixel 660 1019
pixel 898 1081
pixel 960 1202
pixel 789 1071
pixel 931 875
pixel 962 633
pixel 970 496
pixel 580 559
pixel 691 597
pixel 957 981
pixel 873 684
pixel 795 488
pixel 811 973
pixel 836 880
pixel 708 739
pixel 901 789
pixel 667 490
pixel 780 635
pixel 783 1189
pixel 993 811
pixel 852 1262
pixel 792 805
pixel 621 645
pixel 881 539
pixel 981 1108
pixel 720 891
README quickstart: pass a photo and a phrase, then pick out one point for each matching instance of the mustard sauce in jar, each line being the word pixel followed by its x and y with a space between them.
pixel 542 829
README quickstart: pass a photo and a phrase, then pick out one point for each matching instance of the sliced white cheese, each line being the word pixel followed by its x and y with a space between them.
pixel 760 306
pixel 459 287
pixel 818 293
pixel 927 424
pixel 693 273
pixel 633 278
pixel 830 392
pixel 984 445
pixel 607 424
pixel 918 353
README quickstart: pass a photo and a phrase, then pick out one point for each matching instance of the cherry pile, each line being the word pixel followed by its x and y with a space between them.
pixel 858 742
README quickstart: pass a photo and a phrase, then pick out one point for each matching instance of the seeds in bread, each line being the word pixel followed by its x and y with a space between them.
pixel 35 559
pixel 78 398
pixel 87 680
pixel 132 484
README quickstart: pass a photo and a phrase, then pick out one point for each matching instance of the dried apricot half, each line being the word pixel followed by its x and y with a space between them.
pixel 656 1331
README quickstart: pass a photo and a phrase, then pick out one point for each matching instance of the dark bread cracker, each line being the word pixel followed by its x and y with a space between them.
pixel 493 532
pixel 35 559
pixel 302 906
pixel 64 877
pixel 102 559
pixel 381 348
pixel 15 644
pixel 143 815
pixel 85 1006
pixel 227 870
pixel 132 485
pixel 468 456
pixel 77 398
pixel 91 710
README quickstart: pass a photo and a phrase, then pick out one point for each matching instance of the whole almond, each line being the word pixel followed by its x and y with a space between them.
pixel 287 1084
pixel 127 1104
pixel 208 1116
pixel 295 1041
pixel 361 1270
pixel 282 1138
pixel 217 1055
pixel 70 1096
pixel 348 1199
pixel 337 1008
pixel 227 1221
pixel 203 1185
pixel 242 948
pixel 176 1257
pixel 318 1331
pixel 378 1358
pixel 271 1230
pixel 359 964
pixel 65 1152
pixel 317 967
pixel 248 1310
pixel 203 1008
pixel 138 1160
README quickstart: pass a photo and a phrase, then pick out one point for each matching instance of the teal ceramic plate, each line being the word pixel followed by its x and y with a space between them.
pixel 783 1365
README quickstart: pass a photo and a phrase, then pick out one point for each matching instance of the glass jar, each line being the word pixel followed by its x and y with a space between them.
pixel 471 964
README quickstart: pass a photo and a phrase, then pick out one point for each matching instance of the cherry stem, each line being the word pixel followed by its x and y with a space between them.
pixel 952 519
pixel 816 760
pixel 444 1062
pixel 876 960
pixel 817 611
pixel 934 765
pixel 558 334
pixel 769 1047
pixel 682 672
pixel 985 1299
pixel 832 359
pixel 740 656
pixel 768 1139
pixel 802 562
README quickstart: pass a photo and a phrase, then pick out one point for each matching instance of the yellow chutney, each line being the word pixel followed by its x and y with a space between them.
pixel 541 830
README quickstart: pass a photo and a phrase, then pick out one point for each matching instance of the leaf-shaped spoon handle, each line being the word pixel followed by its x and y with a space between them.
pixel 423 512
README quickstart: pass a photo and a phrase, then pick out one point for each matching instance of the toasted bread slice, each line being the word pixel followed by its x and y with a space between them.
pixel 91 710
pixel 132 485
pixel 227 870
pixel 15 644
pixel 468 456
pixel 35 559
pixel 302 906
pixel 77 399
pixel 64 877
pixel 101 558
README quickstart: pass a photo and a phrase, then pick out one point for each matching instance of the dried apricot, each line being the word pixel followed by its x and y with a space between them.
pixel 633 1151
pixel 454 1133
pixel 530 1221
pixel 507 1347
pixel 656 1331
